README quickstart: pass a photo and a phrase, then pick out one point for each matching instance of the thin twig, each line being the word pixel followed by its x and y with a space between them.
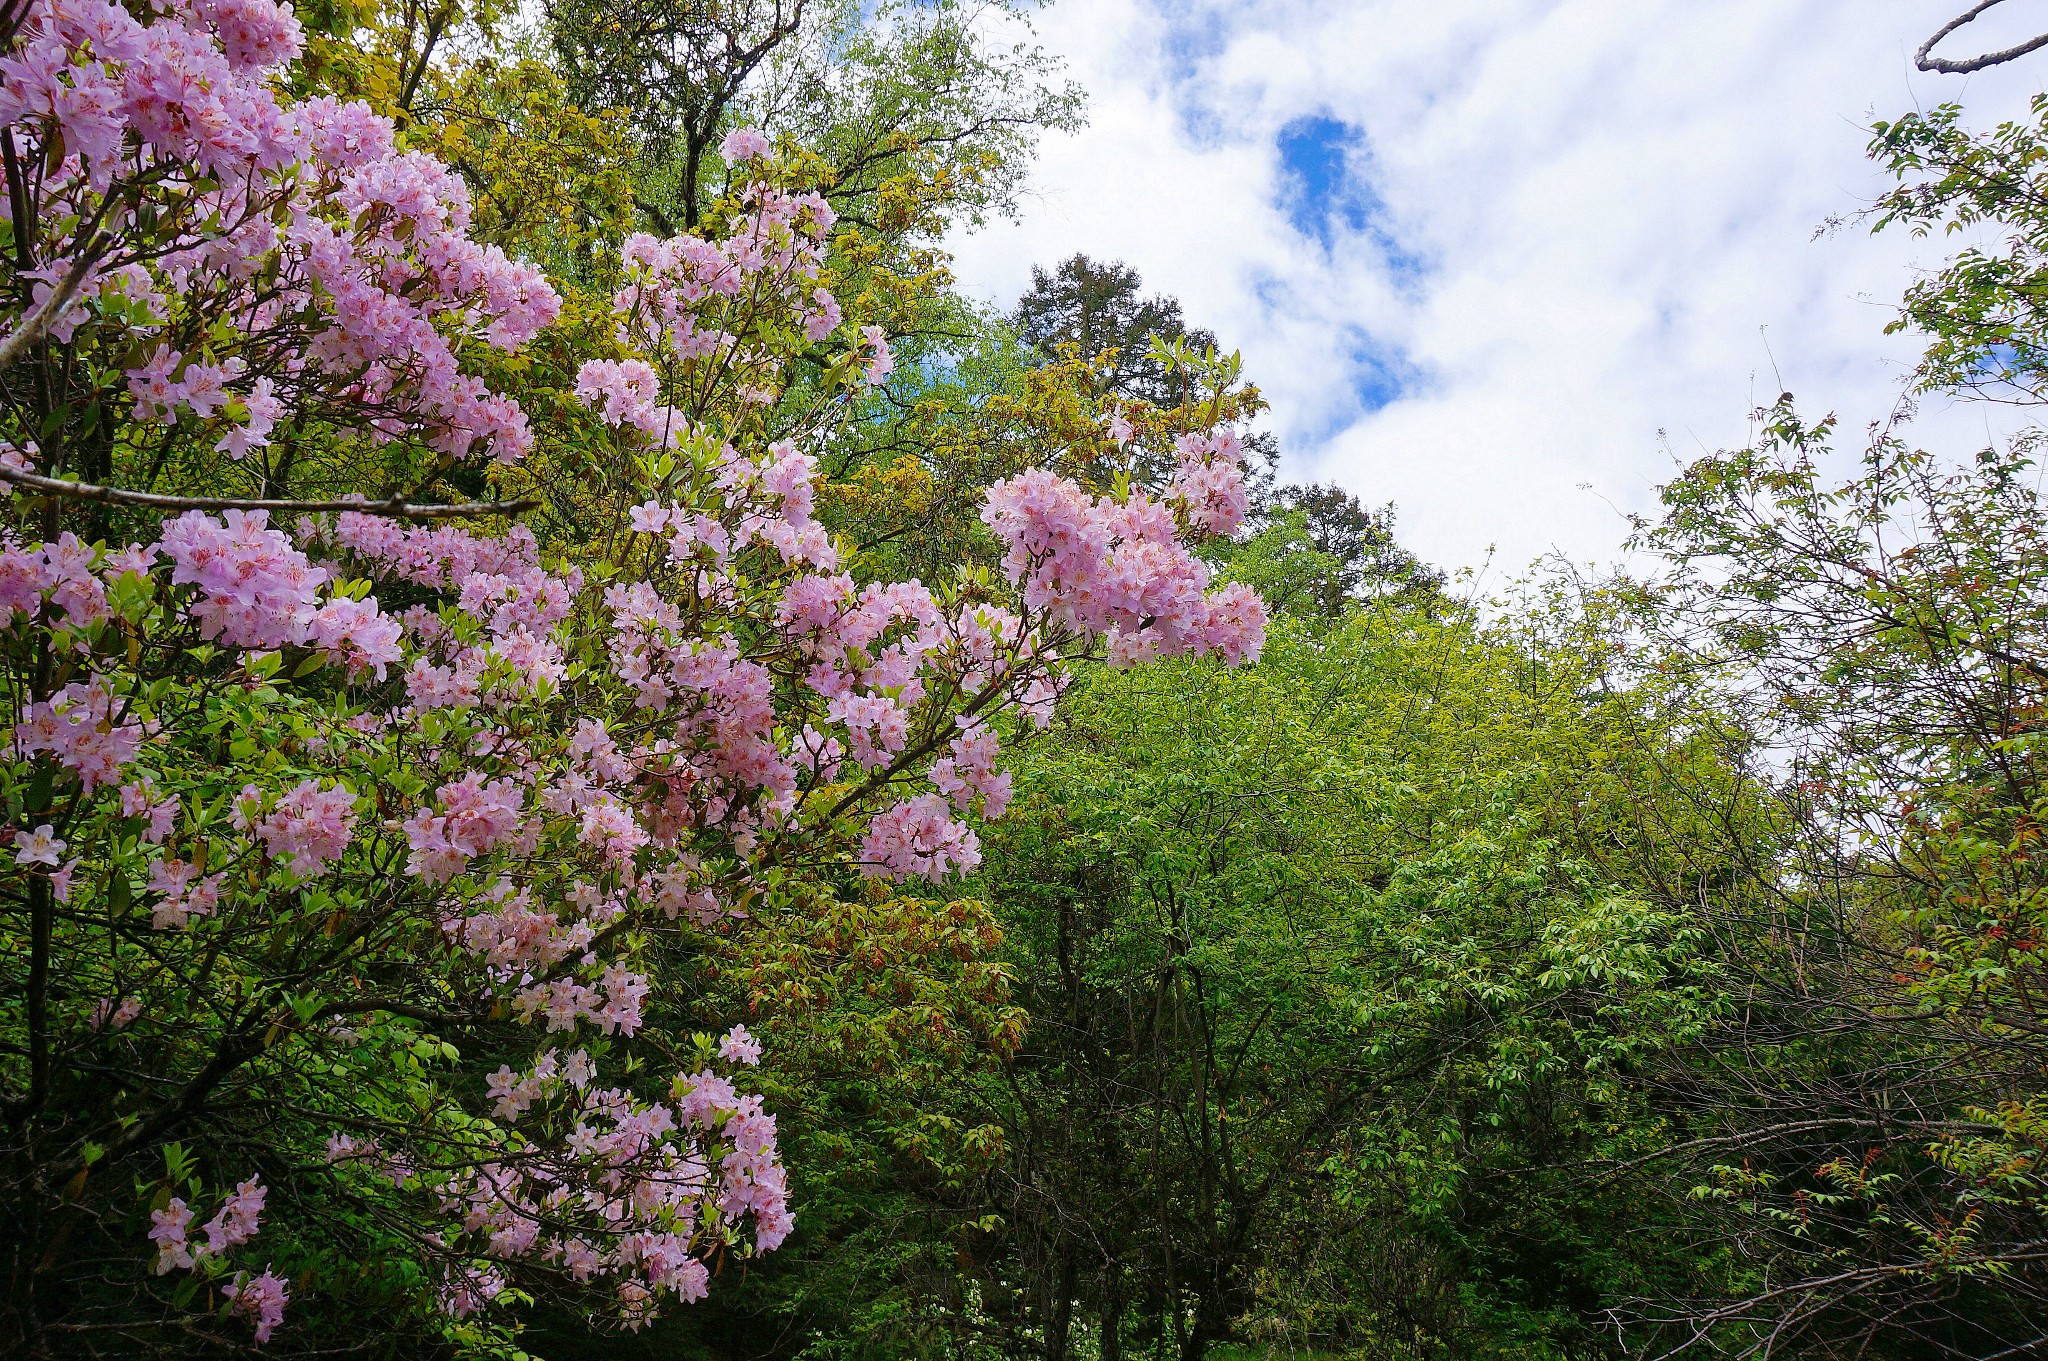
pixel 395 506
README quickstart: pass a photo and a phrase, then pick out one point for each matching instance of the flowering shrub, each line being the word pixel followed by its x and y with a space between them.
pixel 320 814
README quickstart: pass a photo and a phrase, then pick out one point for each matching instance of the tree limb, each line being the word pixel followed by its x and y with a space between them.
pixel 37 324
pixel 1942 65
pixel 395 506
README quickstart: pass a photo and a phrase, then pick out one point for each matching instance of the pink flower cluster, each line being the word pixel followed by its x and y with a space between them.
pixel 1207 481
pixel 744 144
pixel 94 72
pixel 168 382
pixel 254 589
pixel 626 1192
pixel 347 262
pixel 308 827
pixel 478 815
pixel 262 1298
pixel 138 800
pixel 499 581
pixel 87 727
pixel 740 1047
pixel 239 1219
pixel 682 295
pixel 880 362
pixel 61 573
pixel 678 893
pixel 919 838
pixel 515 938
pixel 628 392
pixel 969 771
pixel 44 847
pixel 109 1015
pixel 522 945
pixel 612 1003
pixel 1118 569
pixel 723 749
pixel 186 894
pixel 822 318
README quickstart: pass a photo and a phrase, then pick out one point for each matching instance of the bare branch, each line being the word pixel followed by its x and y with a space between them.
pixel 1925 62
pixel 395 506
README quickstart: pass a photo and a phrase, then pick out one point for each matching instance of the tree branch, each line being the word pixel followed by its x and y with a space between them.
pixel 1925 62
pixel 395 506
pixel 37 324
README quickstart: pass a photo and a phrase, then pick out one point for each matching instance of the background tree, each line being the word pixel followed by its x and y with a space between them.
pixel 1322 1001
pixel 1087 308
pixel 1317 550
pixel 895 94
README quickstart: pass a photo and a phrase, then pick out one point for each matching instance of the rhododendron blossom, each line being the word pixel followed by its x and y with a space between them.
pixel 308 828
pixel 38 847
pixel 262 1298
pixel 108 1014
pixel 740 1047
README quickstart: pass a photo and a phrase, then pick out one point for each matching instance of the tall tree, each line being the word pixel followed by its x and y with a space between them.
pixel 1089 308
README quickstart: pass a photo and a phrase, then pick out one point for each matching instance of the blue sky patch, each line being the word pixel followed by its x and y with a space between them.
pixel 1380 376
pixel 1318 187
pixel 1326 190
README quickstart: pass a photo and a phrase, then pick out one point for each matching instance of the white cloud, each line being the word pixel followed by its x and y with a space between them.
pixel 1612 197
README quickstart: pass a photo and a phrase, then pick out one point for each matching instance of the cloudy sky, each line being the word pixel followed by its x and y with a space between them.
pixel 1503 261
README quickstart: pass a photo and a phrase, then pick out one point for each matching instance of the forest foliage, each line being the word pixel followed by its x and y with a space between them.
pixel 599 763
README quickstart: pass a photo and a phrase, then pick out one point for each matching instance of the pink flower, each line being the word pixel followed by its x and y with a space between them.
pixel 744 144
pixel 344 135
pixel 167 1231
pixel 1208 484
pixel 511 1093
pixel 822 319
pixel 262 1298
pixel 309 828
pixel 77 725
pixel 970 771
pixel 881 363
pixel 40 847
pixel 240 1217
pixel 1116 569
pixel 107 1014
pixel 648 518
pixel 155 391
pixel 254 33
pixel 356 632
pixel 625 392
pixel 254 589
pixel 183 898
pixel 740 1047
pixel 919 838
pixel 481 815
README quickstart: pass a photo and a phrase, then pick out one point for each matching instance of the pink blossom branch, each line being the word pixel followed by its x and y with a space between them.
pixel 395 506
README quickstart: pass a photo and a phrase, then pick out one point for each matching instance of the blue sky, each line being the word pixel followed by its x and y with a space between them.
pixel 1504 261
